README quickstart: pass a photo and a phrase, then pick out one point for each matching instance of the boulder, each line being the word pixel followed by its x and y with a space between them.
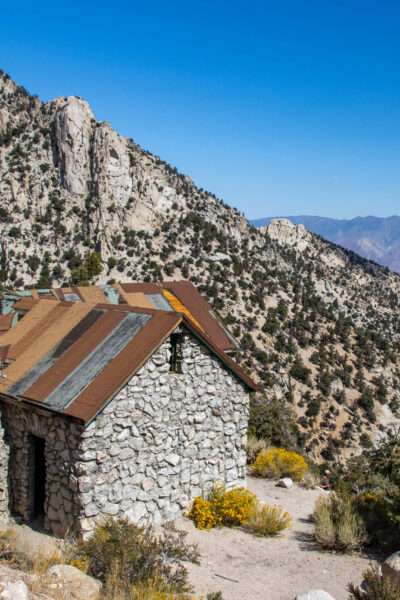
pixel 77 584
pixel 285 482
pixel 314 595
pixel 14 590
pixel 391 567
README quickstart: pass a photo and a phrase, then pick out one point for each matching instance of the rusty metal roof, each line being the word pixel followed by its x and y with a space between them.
pixel 72 358
pixel 179 296
pixel 6 322
pixel 190 302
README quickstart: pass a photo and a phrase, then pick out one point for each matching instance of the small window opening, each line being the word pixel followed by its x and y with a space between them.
pixel 175 363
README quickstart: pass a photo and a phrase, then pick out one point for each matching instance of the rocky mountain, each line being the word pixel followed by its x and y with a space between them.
pixel 319 326
pixel 375 238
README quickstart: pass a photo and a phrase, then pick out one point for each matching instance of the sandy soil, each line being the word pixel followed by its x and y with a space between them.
pixel 244 567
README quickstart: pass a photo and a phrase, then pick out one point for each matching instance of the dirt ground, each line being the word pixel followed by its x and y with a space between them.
pixel 244 567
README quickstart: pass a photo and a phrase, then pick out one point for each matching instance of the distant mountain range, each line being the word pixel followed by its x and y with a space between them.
pixel 375 238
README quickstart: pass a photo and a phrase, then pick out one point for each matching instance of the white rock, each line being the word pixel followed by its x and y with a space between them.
pixel 391 567
pixel 287 233
pixel 73 129
pixel 285 482
pixel 14 591
pixel 78 585
pixel 136 514
pixel 314 595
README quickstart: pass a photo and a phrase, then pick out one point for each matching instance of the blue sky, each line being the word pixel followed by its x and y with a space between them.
pixel 285 107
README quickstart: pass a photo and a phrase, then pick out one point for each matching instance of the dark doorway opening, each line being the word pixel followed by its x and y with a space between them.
pixel 38 476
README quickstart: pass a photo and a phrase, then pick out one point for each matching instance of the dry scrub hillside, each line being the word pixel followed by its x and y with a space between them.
pixel 319 326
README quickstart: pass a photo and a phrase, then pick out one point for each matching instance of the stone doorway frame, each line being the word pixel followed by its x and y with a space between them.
pixel 37 477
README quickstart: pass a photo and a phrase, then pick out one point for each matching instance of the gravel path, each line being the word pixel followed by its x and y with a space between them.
pixel 244 567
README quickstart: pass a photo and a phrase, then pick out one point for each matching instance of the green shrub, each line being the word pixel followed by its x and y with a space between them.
pixel 274 422
pixel 377 587
pixel 372 480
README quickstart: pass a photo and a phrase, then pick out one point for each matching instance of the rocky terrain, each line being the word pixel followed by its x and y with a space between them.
pixel 374 238
pixel 319 326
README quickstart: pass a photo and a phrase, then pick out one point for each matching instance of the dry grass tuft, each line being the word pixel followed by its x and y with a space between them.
pixel 254 447
pixel 337 524
pixel 266 520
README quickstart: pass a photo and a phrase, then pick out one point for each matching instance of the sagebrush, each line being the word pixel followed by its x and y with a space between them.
pixel 125 556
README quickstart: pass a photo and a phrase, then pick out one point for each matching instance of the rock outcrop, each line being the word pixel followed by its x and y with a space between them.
pixel 286 233
pixel 73 127
pixel 74 582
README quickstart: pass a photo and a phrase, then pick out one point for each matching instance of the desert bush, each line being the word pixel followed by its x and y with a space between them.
pixel 265 520
pixel 233 507
pixel 254 447
pixel 372 480
pixel 222 507
pixel 124 555
pixel 274 421
pixel 202 513
pixel 338 526
pixel 278 462
pixel 376 587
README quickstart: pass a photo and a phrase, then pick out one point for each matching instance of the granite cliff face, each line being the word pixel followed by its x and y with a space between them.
pixel 319 327
pixel 63 162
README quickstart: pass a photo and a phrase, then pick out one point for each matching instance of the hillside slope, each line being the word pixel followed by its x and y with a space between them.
pixel 374 238
pixel 319 326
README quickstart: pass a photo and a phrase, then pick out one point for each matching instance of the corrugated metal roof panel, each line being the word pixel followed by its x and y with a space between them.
pixel 200 309
pixel 72 297
pixel 158 301
pixel 90 367
pixel 40 345
pixel 124 366
pixel 138 299
pixel 144 288
pixel 92 293
pixel 33 379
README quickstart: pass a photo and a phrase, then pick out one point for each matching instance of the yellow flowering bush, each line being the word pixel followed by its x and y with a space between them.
pixel 223 507
pixel 278 462
pixel 202 514
pixel 232 507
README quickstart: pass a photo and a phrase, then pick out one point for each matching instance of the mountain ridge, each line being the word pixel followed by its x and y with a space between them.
pixel 375 238
pixel 319 326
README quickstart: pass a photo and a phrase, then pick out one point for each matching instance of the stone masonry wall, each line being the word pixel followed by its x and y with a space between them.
pixel 164 439
pixel 4 460
pixel 62 438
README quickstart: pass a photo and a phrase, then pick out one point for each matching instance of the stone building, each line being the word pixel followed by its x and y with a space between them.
pixel 115 410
